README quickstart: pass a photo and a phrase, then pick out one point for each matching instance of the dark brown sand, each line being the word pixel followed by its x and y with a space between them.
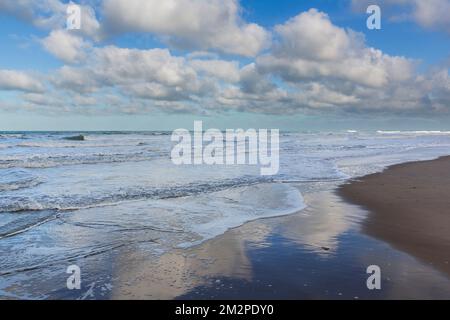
pixel 410 208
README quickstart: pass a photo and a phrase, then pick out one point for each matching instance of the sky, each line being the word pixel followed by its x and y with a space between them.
pixel 161 65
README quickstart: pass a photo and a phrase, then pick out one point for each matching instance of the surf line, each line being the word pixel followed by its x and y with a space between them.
pixel 235 147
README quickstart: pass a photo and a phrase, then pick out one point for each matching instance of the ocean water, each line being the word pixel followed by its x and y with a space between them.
pixel 61 200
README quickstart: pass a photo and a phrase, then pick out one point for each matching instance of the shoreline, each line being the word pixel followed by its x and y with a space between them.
pixel 320 252
pixel 409 208
pixel 317 253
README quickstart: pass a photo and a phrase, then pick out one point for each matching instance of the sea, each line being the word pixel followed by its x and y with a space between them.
pixel 63 200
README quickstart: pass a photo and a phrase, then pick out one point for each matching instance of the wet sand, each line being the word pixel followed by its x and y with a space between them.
pixel 410 208
pixel 320 252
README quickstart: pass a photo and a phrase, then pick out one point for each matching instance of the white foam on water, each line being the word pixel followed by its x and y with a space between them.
pixel 173 223
pixel 422 132
pixel 238 206
pixel 15 179
pixel 134 195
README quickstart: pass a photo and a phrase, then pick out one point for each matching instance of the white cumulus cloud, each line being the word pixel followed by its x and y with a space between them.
pixel 198 24
pixel 17 80
pixel 66 46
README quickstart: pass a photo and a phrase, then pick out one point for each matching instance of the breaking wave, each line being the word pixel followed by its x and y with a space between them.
pixel 12 203
pixel 15 179
pixel 49 161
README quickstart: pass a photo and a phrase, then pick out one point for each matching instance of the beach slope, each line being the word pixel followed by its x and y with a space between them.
pixel 409 207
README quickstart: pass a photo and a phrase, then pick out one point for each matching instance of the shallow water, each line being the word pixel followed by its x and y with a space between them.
pixel 282 258
pixel 93 201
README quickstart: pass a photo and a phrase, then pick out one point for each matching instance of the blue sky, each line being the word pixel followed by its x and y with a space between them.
pixel 296 65
pixel 405 38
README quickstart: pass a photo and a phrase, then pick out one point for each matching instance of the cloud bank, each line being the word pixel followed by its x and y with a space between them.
pixel 306 64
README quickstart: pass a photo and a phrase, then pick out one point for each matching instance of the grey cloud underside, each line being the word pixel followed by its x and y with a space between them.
pixel 326 68
pixel 21 81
